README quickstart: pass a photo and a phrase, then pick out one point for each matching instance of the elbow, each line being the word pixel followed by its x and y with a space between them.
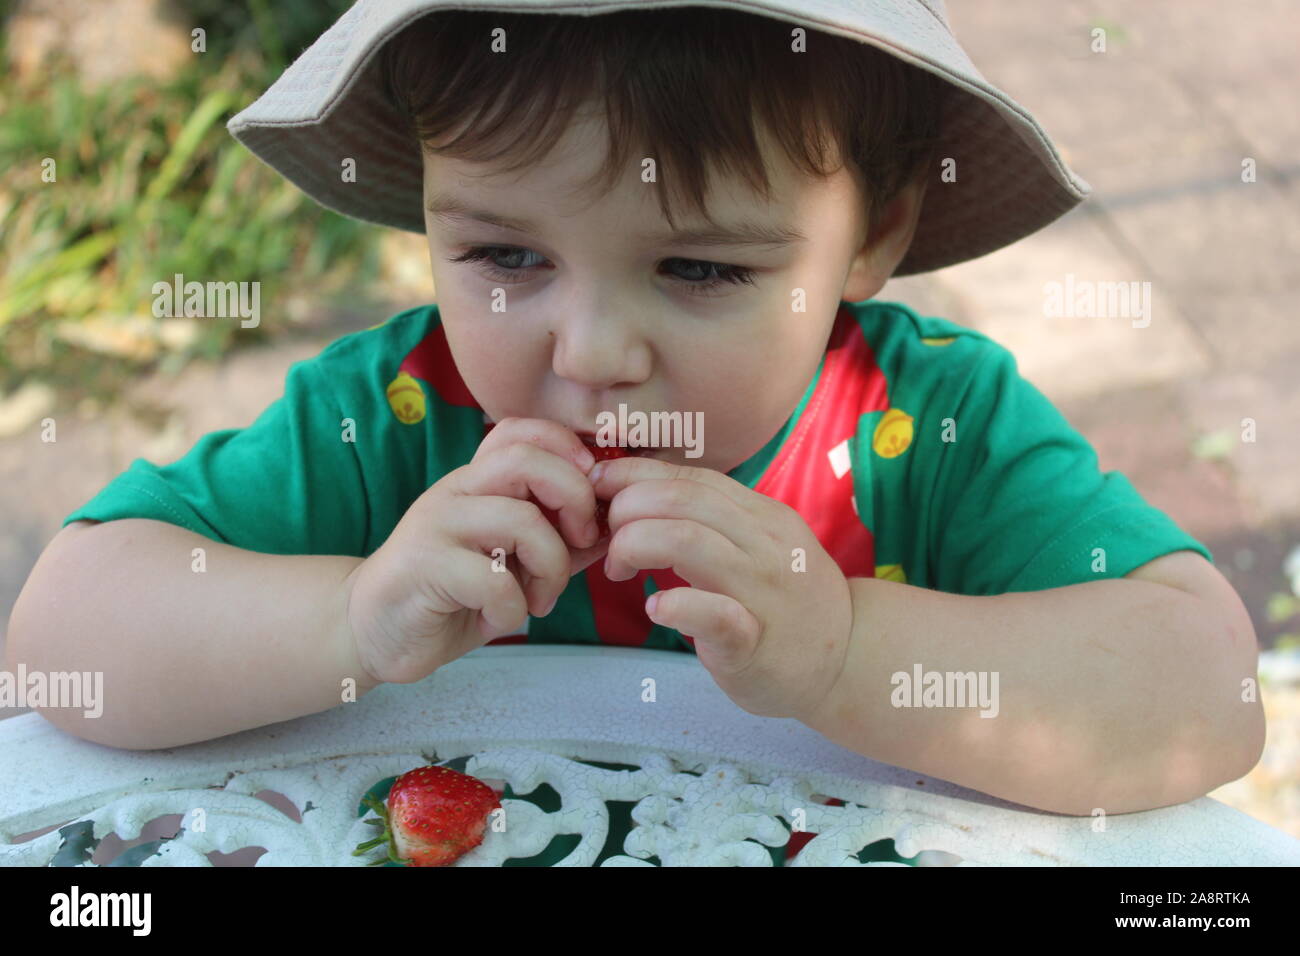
pixel 1243 723
pixel 1232 740
pixel 81 715
pixel 1243 752
pixel 1219 759
pixel 94 731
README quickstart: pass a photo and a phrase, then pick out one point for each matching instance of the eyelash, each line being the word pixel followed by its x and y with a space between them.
pixel 725 274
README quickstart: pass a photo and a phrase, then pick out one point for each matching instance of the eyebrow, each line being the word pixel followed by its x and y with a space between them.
pixel 744 233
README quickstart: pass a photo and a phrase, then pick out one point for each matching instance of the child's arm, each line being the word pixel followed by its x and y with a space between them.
pixel 1120 694
pixel 254 638
pixel 186 655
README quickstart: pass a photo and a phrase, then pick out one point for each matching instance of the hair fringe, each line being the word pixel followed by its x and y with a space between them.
pixel 690 87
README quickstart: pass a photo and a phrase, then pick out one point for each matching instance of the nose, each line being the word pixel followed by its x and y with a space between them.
pixel 597 349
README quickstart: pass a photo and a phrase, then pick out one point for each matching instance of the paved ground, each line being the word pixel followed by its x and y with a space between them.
pixel 1159 125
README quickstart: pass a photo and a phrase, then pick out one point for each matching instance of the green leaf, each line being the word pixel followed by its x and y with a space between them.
pixel 79 256
pixel 187 143
pixel 1113 30
pixel 1281 607
pixel 374 798
pixel 1215 444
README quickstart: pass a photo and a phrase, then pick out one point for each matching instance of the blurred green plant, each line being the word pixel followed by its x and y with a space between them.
pixel 279 30
pixel 148 183
pixel 1113 30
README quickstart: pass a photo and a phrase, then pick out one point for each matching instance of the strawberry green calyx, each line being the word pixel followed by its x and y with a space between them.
pixel 386 837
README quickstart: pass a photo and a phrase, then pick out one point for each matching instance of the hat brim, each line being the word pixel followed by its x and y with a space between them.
pixel 328 107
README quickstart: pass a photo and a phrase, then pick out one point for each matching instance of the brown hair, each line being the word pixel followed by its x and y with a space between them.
pixel 682 84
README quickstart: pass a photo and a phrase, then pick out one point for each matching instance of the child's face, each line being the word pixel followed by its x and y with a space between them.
pixel 601 309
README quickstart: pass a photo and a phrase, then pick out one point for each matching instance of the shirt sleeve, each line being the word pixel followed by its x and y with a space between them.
pixel 289 483
pixel 1022 504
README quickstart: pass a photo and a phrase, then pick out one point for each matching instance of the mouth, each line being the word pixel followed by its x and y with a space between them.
pixel 589 439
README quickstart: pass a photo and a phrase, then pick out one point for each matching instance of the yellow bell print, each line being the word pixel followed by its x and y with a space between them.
pixel 944 341
pixel 891 572
pixel 893 434
pixel 406 398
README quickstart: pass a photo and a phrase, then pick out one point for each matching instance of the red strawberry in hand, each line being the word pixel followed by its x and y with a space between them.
pixel 600 453
pixel 434 816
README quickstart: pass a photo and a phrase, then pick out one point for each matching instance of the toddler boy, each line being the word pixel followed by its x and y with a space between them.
pixel 663 215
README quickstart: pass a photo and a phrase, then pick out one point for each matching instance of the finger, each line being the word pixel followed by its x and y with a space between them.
pixel 716 619
pixel 543 433
pixel 579 561
pixel 611 477
pixel 485 523
pixel 468 579
pixel 696 553
pixel 689 500
pixel 524 470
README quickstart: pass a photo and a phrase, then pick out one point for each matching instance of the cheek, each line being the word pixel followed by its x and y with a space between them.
pixel 493 364
pixel 741 399
pixel 736 373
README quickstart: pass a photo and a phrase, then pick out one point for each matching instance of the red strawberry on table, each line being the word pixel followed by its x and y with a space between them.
pixel 600 453
pixel 434 816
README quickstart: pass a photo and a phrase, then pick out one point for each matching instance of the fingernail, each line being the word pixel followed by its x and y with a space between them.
pixel 584 459
pixel 592 531
pixel 596 472
pixel 551 606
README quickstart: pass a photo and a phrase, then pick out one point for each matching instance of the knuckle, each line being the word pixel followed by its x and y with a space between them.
pixel 734 619
pixel 519 452
pixel 678 495
pixel 503 587
pixel 536 521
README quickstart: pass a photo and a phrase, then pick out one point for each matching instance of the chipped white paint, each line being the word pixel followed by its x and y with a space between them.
pixel 712 779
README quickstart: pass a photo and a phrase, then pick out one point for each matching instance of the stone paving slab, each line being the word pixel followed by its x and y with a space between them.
pixel 1144 434
pixel 1236 61
pixel 1128 118
pixel 45 481
pixel 1159 125
pixel 1003 296
pixel 1234 239
pixel 1266 471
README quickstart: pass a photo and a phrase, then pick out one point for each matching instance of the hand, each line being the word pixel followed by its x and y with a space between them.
pixel 434 591
pixel 774 638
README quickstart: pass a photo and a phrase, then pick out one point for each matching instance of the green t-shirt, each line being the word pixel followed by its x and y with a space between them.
pixel 917 453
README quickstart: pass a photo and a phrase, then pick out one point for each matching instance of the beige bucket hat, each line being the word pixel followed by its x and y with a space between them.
pixel 328 104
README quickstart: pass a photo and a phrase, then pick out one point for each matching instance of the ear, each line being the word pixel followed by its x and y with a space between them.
pixel 881 252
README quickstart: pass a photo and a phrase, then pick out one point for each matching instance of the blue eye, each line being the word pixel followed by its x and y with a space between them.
pixel 712 275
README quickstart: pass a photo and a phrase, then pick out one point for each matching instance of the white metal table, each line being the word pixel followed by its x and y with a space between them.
pixel 709 784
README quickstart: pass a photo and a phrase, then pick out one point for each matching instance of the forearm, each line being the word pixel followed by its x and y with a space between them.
pixel 1119 694
pixel 186 655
